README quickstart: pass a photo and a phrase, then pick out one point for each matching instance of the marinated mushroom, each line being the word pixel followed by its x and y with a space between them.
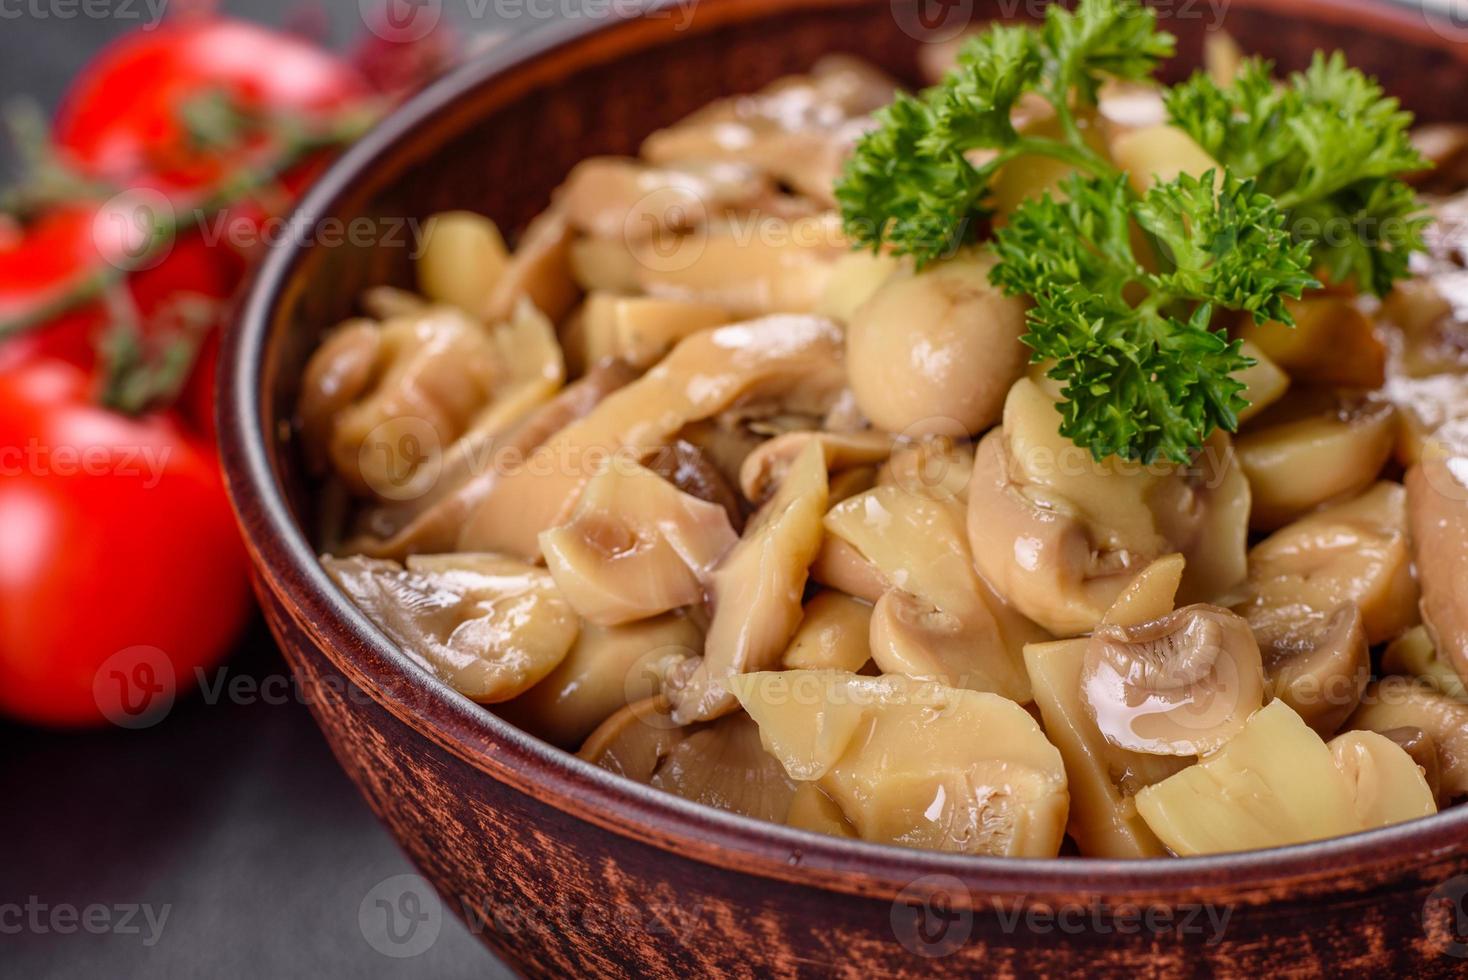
pixel 938 619
pixel 1386 785
pixel 797 129
pixel 606 669
pixel 721 764
pixel 1419 745
pixel 1272 784
pixel 490 627
pixel 1403 702
pixel 463 257
pixel 380 402
pixel 1351 552
pixel 763 469
pixel 1321 673
pixel 1181 685
pixel 540 271
pixel 635 547
pixel 832 635
pixel 1413 654
pixel 639 329
pixel 935 466
pixel 752 267
pixel 936 348
pixel 623 198
pixel 1060 535
pixel 1332 343
pixel 794 359
pixel 431 522
pixel 1437 507
pixel 914 763
pixel 755 593
pixel 1343 447
pixel 1103 779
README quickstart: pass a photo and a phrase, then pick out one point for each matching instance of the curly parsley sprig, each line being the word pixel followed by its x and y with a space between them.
pixel 1330 147
pixel 1131 336
pixel 912 183
pixel 1145 374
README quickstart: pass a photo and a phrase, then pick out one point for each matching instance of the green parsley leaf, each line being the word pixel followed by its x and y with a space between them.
pixel 1145 375
pixel 1329 145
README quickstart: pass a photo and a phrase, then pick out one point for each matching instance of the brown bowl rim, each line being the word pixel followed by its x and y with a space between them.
pixel 284 558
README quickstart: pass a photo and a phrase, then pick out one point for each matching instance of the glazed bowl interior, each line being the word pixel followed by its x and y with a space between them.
pixel 497 137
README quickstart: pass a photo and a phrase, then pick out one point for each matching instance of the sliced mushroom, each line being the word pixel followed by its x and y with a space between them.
pixel 688 468
pixel 838 565
pixel 1264 382
pixel 797 129
pixel 753 266
pixel 608 668
pixel 1350 552
pixel 1387 786
pixel 380 403
pixel 764 468
pixel 640 329
pixel 1061 535
pixel 721 765
pixel 1157 154
pixel 635 741
pixel 832 635
pixel 937 348
pixel 811 809
pixel 915 763
pixel 432 521
pixel 939 619
pixel 854 277
pixel 1150 596
pixel 1181 685
pixel 1343 448
pixel 1419 745
pixel 724 765
pixel 756 593
pixel 603 264
pixel 635 547
pixel 1402 702
pixel 463 257
pixel 618 197
pixel 937 466
pixel 490 627
pixel 1102 778
pixel 1413 654
pixel 1275 783
pixel 1437 507
pixel 794 360
pixel 539 270
pixel 1332 342
pixel 1322 673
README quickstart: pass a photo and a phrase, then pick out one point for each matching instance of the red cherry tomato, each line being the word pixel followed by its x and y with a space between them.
pixel 121 569
pixel 127 114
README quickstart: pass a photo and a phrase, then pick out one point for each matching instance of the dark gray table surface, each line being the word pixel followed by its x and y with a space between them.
pixel 229 822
